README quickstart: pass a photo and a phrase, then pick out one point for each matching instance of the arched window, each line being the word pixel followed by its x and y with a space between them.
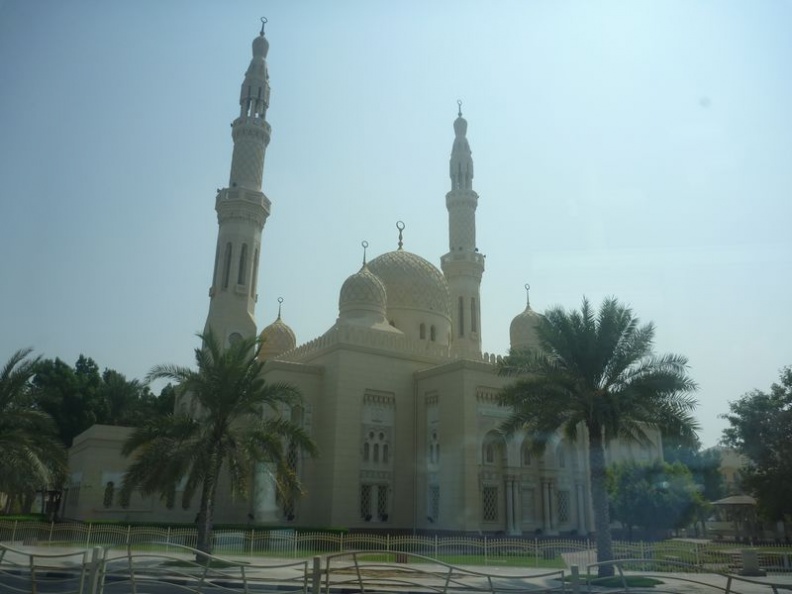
pixel 376 453
pixel 461 317
pixel 255 274
pixel 242 273
pixel 561 456
pixel 366 448
pixel 385 453
pixel 227 265
pixel 422 331
pixel 526 453
pixel 216 264
pixel 432 333
pixel 109 494
pixel 493 449
pixel 473 316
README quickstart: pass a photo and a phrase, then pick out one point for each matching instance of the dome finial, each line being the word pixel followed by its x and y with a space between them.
pixel 365 245
pixel 527 295
pixel 263 22
pixel 459 105
pixel 400 227
pixel 280 303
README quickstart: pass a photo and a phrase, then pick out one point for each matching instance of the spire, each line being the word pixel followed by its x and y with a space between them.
pixel 463 265
pixel 400 227
pixel 254 96
pixel 365 245
pixel 527 296
pixel 461 167
pixel 280 299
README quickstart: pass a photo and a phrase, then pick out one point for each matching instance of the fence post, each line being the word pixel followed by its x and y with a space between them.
pixel 536 552
pixel 387 542
pixel 13 531
pixel 167 540
pixel 252 538
pixel 294 546
pixel 486 559
pixel 52 527
pixel 696 550
pixel 94 572
pixel 437 548
pixel 341 543
pixel 575 579
pixel 316 575
pixel 88 535
pixel 129 533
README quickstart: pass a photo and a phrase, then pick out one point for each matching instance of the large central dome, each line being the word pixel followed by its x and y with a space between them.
pixel 411 282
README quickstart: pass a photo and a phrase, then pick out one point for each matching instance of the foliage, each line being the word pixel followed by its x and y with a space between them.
pixel 596 373
pixel 761 429
pixel 78 397
pixel 32 456
pixel 656 497
pixel 704 465
pixel 227 417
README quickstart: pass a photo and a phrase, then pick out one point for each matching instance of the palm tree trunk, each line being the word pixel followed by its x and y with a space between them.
pixel 599 496
pixel 206 513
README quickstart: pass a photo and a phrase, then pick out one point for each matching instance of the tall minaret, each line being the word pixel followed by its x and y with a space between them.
pixel 242 208
pixel 463 265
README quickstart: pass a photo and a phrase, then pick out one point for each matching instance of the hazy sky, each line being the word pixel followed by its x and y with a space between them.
pixel 641 149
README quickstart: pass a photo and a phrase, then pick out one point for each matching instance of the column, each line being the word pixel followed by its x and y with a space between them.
pixel 547 528
pixel 509 505
pixel 581 510
pixel 265 507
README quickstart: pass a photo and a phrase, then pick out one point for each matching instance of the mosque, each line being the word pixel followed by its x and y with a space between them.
pixel 398 395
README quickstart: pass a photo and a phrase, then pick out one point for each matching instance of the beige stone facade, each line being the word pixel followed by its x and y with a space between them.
pixel 398 396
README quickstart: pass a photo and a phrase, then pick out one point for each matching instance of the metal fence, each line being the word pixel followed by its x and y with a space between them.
pixel 471 550
pixel 109 570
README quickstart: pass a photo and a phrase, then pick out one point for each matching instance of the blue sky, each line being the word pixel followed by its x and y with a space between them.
pixel 636 149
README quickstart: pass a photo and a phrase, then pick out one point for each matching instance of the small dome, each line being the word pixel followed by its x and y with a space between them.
pixel 523 330
pixel 411 282
pixel 260 46
pixel 362 293
pixel 277 338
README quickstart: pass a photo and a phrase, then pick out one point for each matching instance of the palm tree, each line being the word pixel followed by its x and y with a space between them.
pixel 32 455
pixel 227 417
pixel 596 374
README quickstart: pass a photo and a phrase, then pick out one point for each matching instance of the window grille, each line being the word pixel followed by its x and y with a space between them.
pixel 365 502
pixel 434 502
pixel 489 504
pixel 562 504
pixel 382 503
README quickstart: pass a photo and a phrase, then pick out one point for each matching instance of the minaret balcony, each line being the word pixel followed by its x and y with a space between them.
pixel 463 256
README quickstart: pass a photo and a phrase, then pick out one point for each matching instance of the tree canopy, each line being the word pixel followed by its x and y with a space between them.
pixel 657 497
pixel 78 397
pixel 228 417
pixel 761 429
pixel 32 455
pixel 596 375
